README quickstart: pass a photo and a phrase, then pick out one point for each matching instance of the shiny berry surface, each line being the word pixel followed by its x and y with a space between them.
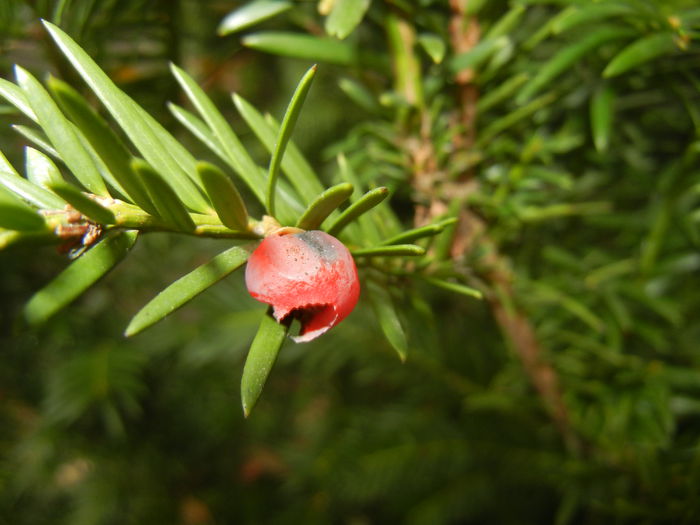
pixel 310 276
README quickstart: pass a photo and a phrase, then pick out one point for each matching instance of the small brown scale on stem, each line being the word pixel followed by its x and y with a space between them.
pixel 79 233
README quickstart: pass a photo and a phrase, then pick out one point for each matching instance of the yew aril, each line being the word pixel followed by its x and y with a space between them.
pixel 309 275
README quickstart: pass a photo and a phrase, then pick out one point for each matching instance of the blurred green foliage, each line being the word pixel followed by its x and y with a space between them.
pixel 564 135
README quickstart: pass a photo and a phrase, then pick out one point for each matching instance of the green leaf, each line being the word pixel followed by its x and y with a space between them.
pixel 503 92
pixel 250 14
pixel 665 307
pixel 689 17
pixel 82 202
pixel 59 95
pixel 324 205
pixel 12 237
pixel 641 51
pixel 540 213
pixel 507 23
pixel 419 233
pixel 199 129
pixel 61 134
pixel 107 145
pixel 496 64
pixel 378 226
pixel 568 56
pixel 79 276
pixel 16 215
pixel 40 169
pixel 474 6
pixel 367 230
pixel 285 132
pixel 238 157
pixel 187 288
pixel 602 115
pixel 433 45
pixel 6 166
pixel 17 97
pixel 59 11
pixel 385 313
pixel 444 244
pixel 39 197
pixel 510 119
pixel 37 138
pixel 169 207
pixel 545 30
pixel 360 95
pixel 396 250
pixel 365 203
pixel 660 219
pixel 346 172
pixel 575 307
pixel 224 196
pixel 261 357
pixel 455 287
pixel 137 125
pixel 592 12
pixel 307 47
pixel 345 17
pixel 294 165
pixel 176 151
pixel 408 80
pixel 478 54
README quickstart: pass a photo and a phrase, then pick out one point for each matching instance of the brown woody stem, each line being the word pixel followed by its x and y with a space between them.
pixel 472 232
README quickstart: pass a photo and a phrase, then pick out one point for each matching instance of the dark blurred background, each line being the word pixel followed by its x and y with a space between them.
pixel 98 429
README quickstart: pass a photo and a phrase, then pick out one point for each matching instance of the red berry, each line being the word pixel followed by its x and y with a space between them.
pixel 310 276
